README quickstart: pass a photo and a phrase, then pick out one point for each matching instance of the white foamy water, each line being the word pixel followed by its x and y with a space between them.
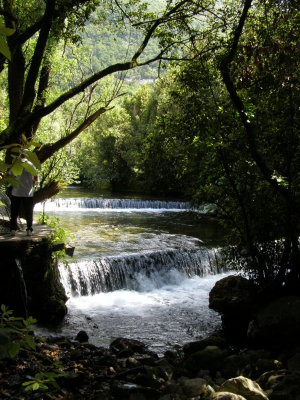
pixel 120 205
pixel 142 271
pixel 116 205
pixel 161 318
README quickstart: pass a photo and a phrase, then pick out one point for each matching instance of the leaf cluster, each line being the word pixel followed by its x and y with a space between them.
pixel 42 380
pixel 15 333
pixel 22 156
pixel 60 235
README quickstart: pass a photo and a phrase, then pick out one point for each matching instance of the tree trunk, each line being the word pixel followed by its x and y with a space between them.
pixel 46 192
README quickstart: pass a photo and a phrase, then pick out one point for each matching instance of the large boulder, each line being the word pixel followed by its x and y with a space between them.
pixel 210 358
pixel 244 387
pixel 233 293
pixel 250 363
pixel 125 347
pixel 235 298
pixel 281 385
pixel 193 387
pixel 192 347
pixel 277 324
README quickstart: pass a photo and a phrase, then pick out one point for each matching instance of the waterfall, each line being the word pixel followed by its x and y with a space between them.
pixel 113 204
pixel 23 289
pixel 140 272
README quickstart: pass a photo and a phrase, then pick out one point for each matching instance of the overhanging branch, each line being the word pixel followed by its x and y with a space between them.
pixel 49 149
pixel 25 120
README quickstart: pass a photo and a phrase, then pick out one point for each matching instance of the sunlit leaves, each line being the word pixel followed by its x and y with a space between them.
pixel 17 168
pixel 3 166
pixel 23 157
pixel 281 180
pixel 4 32
pixel 32 158
pixel 21 163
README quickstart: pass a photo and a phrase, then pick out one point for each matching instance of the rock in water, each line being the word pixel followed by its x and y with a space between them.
pixel 82 337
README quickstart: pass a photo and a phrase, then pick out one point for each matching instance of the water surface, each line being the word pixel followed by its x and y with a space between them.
pixel 142 268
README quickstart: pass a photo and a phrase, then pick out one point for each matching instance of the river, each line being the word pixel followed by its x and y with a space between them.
pixel 142 269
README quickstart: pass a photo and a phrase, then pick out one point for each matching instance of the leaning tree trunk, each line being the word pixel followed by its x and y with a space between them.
pixel 46 192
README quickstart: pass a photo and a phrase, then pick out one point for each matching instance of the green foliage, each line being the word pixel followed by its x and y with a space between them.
pixel 42 380
pixel 22 157
pixel 15 333
pixel 4 32
pixel 185 137
pixel 109 46
pixel 101 153
pixel 133 148
pixel 57 65
pixel 60 168
pixel 227 175
pixel 60 235
pixel 264 225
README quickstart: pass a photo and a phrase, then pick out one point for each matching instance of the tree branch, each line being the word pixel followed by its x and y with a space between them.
pixel 2 61
pixel 29 90
pixel 154 26
pixel 239 105
pixel 32 30
pixel 41 99
pixel 25 120
pixel 46 192
pixel 49 149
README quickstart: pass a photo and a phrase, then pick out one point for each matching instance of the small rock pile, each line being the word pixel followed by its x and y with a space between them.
pixel 207 369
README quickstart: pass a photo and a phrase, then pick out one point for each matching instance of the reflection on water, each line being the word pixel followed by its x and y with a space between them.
pixel 171 312
pixel 115 232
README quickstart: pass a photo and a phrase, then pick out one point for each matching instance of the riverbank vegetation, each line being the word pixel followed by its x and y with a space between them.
pixel 219 125
pixel 222 129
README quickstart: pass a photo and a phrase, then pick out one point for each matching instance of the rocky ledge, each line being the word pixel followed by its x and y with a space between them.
pixel 60 368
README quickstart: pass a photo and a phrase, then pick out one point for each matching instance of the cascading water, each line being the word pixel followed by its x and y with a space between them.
pixel 124 204
pixel 140 270
pixel 23 289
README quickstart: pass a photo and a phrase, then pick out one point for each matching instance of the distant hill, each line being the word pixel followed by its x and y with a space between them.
pixel 112 47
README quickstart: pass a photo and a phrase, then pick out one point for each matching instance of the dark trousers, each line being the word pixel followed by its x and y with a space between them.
pixel 27 204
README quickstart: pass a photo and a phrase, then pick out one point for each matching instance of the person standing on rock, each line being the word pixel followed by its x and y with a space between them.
pixel 22 194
